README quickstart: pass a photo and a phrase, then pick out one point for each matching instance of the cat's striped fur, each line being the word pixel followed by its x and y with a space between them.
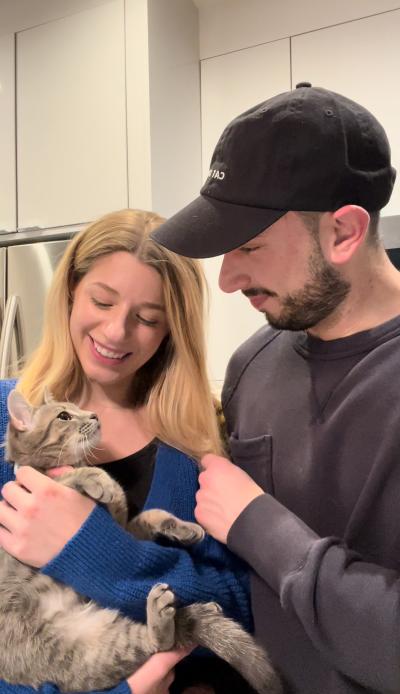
pixel 51 634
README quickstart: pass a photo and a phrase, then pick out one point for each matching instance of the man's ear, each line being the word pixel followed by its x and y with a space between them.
pixel 349 228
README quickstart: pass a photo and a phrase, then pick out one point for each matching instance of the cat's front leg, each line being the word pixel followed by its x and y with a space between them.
pixel 99 486
pixel 156 523
pixel 161 617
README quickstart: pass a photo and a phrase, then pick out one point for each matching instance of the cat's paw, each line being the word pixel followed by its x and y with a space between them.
pixel 157 524
pixel 161 612
pixel 185 533
pixel 94 482
pixel 212 608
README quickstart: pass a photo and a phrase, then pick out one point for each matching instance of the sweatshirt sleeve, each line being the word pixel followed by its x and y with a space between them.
pixel 348 607
pixel 105 563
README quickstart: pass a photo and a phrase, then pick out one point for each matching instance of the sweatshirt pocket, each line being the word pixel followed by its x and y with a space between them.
pixel 254 456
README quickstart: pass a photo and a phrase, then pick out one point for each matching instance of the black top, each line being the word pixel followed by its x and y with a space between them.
pixel 134 473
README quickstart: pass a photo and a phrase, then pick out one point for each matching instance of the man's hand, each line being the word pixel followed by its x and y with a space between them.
pixel 225 491
pixel 38 516
pixel 157 674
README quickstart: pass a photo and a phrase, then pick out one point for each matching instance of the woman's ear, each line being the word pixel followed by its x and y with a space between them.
pixel 348 231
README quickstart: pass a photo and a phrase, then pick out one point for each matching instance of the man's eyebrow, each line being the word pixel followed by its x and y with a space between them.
pixel 145 304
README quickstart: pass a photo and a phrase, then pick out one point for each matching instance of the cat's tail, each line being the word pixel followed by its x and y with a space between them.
pixel 205 625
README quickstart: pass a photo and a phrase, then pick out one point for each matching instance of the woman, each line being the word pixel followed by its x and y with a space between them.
pixel 123 336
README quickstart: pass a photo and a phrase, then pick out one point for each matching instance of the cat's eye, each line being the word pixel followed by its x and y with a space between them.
pixel 64 415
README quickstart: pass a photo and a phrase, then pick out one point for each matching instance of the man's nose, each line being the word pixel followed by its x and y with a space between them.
pixel 232 276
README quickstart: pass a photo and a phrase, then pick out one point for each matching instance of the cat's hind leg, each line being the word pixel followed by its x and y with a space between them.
pixel 161 617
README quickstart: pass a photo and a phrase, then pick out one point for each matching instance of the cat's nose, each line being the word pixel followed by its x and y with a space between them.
pixel 94 416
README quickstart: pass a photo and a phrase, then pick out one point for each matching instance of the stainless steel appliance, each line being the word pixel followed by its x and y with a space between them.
pixel 27 263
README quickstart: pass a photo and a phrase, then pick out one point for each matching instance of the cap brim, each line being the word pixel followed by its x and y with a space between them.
pixel 208 227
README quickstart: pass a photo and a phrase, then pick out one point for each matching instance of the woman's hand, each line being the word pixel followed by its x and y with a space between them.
pixel 157 674
pixel 38 516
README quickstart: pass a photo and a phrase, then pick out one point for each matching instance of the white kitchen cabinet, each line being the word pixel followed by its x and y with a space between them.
pixel 230 84
pixel 71 118
pixel 8 220
pixel 361 60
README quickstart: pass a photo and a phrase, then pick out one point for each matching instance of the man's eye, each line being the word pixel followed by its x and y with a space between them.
pixel 248 249
pixel 64 415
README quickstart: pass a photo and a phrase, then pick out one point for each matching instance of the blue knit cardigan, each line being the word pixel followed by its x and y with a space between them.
pixel 103 562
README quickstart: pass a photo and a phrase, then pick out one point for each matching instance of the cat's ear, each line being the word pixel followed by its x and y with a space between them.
pixel 47 396
pixel 21 413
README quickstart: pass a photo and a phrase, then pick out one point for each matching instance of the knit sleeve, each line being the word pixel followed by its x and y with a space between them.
pixel 6 470
pixel 103 562
pixel 5 688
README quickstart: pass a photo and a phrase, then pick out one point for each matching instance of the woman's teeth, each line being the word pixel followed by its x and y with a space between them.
pixel 107 353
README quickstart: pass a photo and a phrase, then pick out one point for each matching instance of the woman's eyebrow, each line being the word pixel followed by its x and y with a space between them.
pixel 144 304
pixel 104 286
pixel 150 304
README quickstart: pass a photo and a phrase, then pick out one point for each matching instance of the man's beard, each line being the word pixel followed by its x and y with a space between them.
pixel 319 297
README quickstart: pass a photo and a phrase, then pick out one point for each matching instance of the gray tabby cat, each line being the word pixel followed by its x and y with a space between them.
pixel 49 632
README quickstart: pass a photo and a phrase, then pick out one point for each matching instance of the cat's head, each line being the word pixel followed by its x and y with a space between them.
pixel 53 434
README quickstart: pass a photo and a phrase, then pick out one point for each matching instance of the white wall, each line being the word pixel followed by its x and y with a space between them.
pixel 163 104
pixel 174 74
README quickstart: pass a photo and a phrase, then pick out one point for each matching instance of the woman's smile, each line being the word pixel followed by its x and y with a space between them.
pixel 107 354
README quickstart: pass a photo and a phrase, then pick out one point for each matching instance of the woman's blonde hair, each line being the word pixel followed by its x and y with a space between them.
pixel 174 383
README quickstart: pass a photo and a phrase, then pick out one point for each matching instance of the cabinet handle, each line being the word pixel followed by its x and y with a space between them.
pixel 30 228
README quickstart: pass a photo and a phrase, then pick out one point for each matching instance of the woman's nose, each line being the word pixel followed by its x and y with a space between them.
pixel 117 328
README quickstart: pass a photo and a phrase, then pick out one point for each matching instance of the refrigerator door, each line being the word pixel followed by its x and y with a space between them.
pixel 3 287
pixel 30 270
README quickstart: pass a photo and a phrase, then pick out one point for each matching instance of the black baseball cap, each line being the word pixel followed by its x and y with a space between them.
pixel 309 149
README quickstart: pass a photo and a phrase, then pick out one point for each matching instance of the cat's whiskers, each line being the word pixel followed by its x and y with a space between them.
pixel 62 448
pixel 86 453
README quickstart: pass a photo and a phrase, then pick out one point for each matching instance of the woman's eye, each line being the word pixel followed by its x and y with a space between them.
pixel 100 304
pixel 64 415
pixel 145 321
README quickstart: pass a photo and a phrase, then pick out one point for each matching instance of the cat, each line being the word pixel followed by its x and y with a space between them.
pixel 55 635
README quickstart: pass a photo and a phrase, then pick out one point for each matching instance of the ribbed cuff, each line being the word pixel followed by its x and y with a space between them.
pixel 272 540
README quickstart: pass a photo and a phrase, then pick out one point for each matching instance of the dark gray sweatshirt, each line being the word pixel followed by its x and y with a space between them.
pixel 317 425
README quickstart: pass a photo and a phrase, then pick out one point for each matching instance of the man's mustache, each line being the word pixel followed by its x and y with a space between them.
pixel 257 291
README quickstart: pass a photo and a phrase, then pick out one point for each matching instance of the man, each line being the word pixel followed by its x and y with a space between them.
pixel 312 401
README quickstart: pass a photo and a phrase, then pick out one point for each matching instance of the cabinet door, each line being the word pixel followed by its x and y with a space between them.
pixel 8 220
pixel 361 60
pixel 71 118
pixel 231 84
